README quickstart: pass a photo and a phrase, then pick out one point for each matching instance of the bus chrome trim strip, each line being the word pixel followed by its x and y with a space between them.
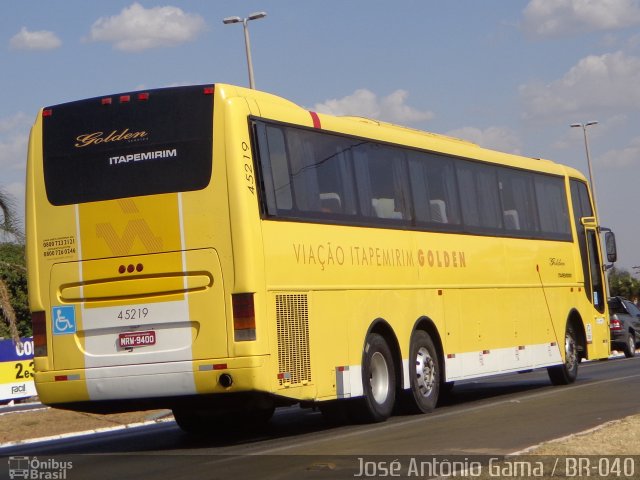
pixel 462 366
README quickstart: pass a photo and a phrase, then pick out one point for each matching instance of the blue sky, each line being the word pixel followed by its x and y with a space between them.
pixel 510 75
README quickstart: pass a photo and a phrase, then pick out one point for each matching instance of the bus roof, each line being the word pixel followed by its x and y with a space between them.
pixel 400 134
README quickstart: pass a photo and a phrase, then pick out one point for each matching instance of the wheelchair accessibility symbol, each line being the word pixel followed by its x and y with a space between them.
pixel 64 320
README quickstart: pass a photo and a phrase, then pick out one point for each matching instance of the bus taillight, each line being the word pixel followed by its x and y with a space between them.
pixel 39 327
pixel 244 317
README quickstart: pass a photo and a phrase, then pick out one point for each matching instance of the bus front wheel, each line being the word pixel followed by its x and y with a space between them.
pixel 378 382
pixel 567 372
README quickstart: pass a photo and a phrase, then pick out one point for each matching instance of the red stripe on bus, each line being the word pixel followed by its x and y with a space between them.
pixel 316 119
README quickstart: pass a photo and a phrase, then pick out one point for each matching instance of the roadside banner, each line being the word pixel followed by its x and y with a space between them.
pixel 16 369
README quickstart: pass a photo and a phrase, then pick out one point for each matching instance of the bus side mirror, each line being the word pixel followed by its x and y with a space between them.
pixel 610 245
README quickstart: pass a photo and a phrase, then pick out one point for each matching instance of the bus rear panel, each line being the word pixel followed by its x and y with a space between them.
pixel 128 298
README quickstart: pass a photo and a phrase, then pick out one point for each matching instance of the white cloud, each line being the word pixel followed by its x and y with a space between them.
pixel 497 138
pixel 555 18
pixel 41 40
pixel 628 156
pixel 363 102
pixel 137 28
pixel 595 83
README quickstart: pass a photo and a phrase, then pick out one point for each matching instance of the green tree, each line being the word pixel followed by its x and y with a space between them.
pixel 623 284
pixel 12 274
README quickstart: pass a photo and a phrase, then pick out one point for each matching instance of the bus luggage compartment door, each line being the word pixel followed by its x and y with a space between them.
pixel 143 309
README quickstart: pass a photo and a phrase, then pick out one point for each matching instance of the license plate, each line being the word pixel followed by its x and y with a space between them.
pixel 137 339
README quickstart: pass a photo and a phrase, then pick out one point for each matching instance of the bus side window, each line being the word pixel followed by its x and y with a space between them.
pixel 520 210
pixel 334 175
pixel 382 182
pixel 552 206
pixel 434 188
pixel 478 186
pixel 321 174
pixel 280 174
pixel 274 170
pixel 304 167
pixel 441 181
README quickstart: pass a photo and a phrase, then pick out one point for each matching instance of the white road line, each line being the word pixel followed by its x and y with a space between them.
pixel 378 428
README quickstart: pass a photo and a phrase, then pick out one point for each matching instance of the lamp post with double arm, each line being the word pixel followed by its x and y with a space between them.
pixel 247 43
pixel 586 147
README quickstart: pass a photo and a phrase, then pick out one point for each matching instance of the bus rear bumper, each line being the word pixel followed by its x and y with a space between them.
pixel 152 381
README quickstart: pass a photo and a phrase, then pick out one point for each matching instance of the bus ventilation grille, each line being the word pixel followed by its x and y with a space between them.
pixel 292 318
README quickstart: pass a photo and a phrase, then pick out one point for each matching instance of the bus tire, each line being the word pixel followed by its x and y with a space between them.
pixel 424 374
pixel 191 422
pixel 335 412
pixel 567 372
pixel 206 423
pixel 378 382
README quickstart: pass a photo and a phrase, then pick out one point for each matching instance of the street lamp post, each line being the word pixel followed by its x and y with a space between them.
pixel 247 43
pixel 586 147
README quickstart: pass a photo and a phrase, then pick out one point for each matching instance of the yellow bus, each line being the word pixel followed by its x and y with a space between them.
pixel 221 251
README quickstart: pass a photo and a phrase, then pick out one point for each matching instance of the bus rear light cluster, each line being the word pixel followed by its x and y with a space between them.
pixel 66 378
pixel 141 97
pixel 39 328
pixel 244 317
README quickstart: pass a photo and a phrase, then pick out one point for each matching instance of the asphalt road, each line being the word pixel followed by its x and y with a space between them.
pixel 495 416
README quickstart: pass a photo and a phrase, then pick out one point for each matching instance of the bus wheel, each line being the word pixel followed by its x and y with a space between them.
pixel 424 372
pixel 568 372
pixel 191 422
pixel 205 423
pixel 335 412
pixel 378 382
pixel 253 420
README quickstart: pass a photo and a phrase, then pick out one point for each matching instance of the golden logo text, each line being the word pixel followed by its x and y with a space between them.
pixel 97 138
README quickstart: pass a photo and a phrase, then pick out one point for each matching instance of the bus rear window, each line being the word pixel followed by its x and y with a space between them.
pixel 127 145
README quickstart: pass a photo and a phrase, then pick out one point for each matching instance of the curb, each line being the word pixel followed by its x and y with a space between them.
pixel 62 436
